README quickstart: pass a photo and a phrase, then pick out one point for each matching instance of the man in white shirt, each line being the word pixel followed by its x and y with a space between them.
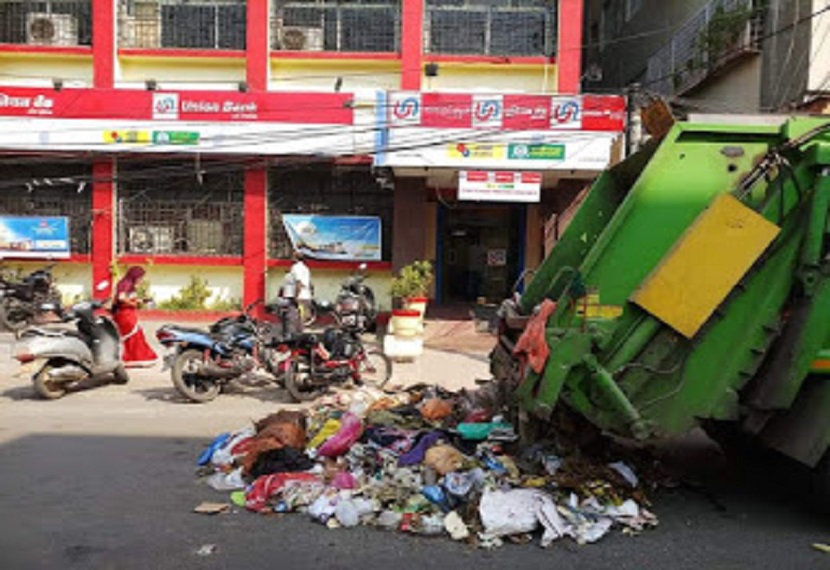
pixel 302 276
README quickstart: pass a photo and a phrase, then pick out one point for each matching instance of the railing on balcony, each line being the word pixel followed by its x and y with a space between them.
pixel 193 24
pixel 61 23
pixel 491 27
pixel 723 31
pixel 349 26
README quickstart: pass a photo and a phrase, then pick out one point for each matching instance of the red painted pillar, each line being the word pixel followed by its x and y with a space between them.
pixel 103 224
pixel 412 44
pixel 257 46
pixel 569 50
pixel 103 43
pixel 255 254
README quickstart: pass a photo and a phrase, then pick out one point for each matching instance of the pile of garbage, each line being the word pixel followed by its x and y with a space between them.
pixel 422 461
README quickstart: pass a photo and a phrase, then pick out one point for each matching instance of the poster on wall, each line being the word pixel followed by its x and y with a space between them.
pixel 343 238
pixel 34 237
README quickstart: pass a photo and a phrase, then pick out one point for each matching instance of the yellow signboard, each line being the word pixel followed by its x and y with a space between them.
pixel 476 151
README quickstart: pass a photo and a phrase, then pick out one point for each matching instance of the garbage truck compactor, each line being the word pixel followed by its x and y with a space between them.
pixel 692 287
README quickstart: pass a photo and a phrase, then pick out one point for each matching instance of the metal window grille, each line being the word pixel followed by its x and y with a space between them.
pixel 49 22
pixel 325 190
pixel 42 193
pixel 198 24
pixel 491 27
pixel 720 32
pixel 356 26
pixel 167 210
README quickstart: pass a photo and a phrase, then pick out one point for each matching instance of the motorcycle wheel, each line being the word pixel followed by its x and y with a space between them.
pixel 12 315
pixel 375 369
pixel 187 381
pixel 44 387
pixel 298 383
pixel 120 376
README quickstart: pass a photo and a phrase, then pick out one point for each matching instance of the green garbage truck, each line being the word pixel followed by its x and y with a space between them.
pixel 691 288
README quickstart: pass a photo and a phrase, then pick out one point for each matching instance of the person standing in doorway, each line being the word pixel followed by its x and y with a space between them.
pixel 136 352
pixel 302 276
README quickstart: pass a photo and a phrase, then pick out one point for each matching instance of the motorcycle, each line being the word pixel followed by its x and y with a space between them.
pixel 61 359
pixel 202 361
pixel 337 356
pixel 22 302
pixel 354 306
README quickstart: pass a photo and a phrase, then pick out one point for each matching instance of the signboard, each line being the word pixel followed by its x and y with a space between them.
pixel 506 112
pixel 34 236
pixel 499 186
pixel 152 137
pixel 335 237
pixel 134 104
pixel 536 151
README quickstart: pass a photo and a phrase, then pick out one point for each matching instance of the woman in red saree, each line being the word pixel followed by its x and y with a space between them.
pixel 136 351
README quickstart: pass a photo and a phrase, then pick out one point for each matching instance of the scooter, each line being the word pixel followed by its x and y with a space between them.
pixel 354 307
pixel 61 359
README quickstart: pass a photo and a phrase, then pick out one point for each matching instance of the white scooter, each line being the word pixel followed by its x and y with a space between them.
pixel 60 359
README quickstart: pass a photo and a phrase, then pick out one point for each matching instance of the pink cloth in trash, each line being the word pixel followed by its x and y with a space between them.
pixel 350 431
pixel 266 486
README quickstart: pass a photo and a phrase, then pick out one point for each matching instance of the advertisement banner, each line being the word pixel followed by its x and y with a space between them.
pixel 344 238
pixel 34 236
pixel 604 113
pixel 499 186
pixel 220 106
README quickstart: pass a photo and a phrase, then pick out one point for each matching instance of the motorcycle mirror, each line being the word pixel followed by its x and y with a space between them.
pixel 102 285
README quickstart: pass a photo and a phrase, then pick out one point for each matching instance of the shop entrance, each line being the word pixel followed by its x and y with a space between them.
pixel 480 252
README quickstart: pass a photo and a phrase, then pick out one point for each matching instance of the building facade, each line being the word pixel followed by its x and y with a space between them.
pixel 715 56
pixel 184 134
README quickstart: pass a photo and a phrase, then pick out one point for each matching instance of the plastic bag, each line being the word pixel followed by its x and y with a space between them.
pixel 444 459
pixel 350 431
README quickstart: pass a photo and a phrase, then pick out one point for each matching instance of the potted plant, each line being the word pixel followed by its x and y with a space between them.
pixel 411 285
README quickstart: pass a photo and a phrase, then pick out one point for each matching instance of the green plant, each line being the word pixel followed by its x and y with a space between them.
pixel 723 32
pixel 190 297
pixel 223 304
pixel 413 280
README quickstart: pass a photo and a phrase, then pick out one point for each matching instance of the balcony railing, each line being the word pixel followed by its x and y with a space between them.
pixel 490 27
pixel 61 23
pixel 356 26
pixel 723 31
pixel 193 24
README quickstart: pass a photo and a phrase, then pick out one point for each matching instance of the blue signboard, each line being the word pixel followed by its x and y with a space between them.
pixel 335 237
pixel 34 236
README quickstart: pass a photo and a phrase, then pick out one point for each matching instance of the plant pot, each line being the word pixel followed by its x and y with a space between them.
pixel 406 323
pixel 416 304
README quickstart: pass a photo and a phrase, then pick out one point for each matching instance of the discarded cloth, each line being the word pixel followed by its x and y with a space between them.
pixel 283 460
pixel 532 344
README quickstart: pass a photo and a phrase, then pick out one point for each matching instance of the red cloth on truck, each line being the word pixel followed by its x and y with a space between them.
pixel 532 344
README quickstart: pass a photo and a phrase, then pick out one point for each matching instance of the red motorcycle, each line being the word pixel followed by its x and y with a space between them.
pixel 337 356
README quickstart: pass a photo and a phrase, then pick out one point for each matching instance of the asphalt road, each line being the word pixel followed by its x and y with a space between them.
pixel 104 478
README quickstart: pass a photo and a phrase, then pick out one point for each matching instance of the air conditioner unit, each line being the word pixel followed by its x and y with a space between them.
pixel 151 239
pixel 299 38
pixel 51 29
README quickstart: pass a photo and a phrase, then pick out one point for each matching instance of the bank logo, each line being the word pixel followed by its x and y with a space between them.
pixel 406 108
pixel 487 111
pixel 565 113
pixel 165 105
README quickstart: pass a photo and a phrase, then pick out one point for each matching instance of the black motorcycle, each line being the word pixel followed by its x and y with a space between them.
pixel 22 302
pixel 354 307
pixel 202 361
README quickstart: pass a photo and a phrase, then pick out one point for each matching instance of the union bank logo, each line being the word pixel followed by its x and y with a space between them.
pixel 405 108
pixel 165 105
pixel 488 111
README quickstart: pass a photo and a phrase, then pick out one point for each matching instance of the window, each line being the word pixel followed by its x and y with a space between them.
pixel 52 23
pixel 167 208
pixel 62 195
